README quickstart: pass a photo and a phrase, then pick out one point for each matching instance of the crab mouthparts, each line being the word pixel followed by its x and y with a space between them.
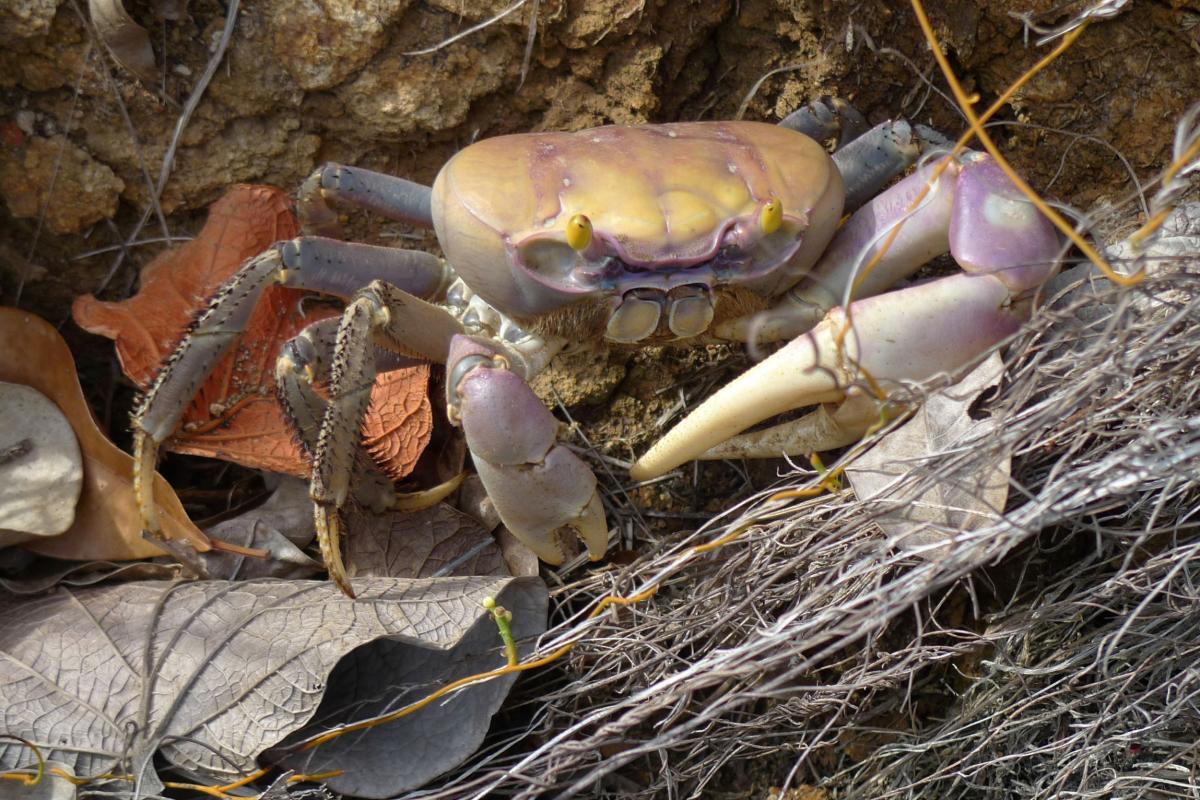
pixel 687 311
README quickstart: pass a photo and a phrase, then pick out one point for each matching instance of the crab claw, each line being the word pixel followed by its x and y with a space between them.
pixel 538 487
pixel 910 334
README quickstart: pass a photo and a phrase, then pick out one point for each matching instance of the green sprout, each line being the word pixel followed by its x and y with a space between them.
pixel 503 619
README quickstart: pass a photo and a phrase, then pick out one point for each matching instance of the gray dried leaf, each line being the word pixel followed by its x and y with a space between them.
pixel 281 525
pixel 50 787
pixel 209 675
pixel 44 574
pixel 473 500
pixel 435 542
pixel 41 467
pixel 1176 246
pixel 919 504
pixel 521 561
pixel 125 39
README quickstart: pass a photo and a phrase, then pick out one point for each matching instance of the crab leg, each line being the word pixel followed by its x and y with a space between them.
pixel 1006 248
pixel 306 360
pixel 309 263
pixel 870 161
pixel 831 425
pixel 537 486
pixel 380 315
pixel 386 195
pixel 825 118
pixel 923 235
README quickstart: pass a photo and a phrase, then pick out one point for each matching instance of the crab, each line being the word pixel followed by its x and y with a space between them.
pixel 635 236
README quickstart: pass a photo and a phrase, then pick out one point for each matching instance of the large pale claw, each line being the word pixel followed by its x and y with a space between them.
pixel 538 487
pixel 831 425
pixel 908 335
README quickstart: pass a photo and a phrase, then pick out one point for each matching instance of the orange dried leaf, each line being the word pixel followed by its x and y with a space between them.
pixel 235 415
pixel 107 525
pixel 400 421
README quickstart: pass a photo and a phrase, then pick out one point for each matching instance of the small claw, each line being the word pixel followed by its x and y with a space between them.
pixel 537 502
pixel 538 487
pixel 908 335
pixel 427 498
pixel 592 528
pixel 329 538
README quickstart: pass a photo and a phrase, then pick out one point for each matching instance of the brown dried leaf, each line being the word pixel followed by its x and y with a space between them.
pixel 235 415
pixel 399 422
pixel 107 524
pixel 125 39
pixel 210 674
pixel 930 514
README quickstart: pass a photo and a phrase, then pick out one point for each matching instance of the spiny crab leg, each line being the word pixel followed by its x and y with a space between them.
pixel 374 318
pixel 537 486
pixel 305 361
pixel 323 265
pixel 911 334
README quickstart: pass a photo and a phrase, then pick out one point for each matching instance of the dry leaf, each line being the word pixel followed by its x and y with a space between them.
pixel 44 574
pixel 399 422
pixel 50 787
pixel 433 543
pixel 125 39
pixel 41 468
pixel 235 416
pixel 107 525
pixel 210 674
pixel 925 507
pixel 280 526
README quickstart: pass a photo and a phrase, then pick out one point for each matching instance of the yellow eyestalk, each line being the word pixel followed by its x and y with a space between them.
pixel 579 232
pixel 771 217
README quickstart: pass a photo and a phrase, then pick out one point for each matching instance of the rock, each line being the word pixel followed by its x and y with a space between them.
pixel 25 18
pixel 54 175
pixel 401 94
pixel 41 468
pixel 322 43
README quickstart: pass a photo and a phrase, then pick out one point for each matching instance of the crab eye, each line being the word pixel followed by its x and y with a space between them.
pixel 549 257
pixel 579 232
pixel 771 217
